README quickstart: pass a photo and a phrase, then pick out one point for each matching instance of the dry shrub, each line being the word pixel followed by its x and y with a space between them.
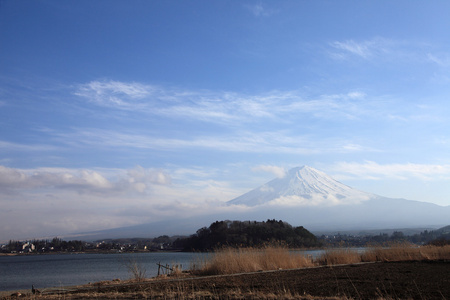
pixel 176 271
pixel 406 252
pixel 401 252
pixel 273 258
pixel 339 257
pixel 231 260
pixel 435 252
pixel 136 269
pixel 392 252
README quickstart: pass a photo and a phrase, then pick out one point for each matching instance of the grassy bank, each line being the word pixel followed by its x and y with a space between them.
pixel 241 260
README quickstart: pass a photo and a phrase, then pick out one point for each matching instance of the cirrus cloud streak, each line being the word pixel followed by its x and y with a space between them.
pixel 370 170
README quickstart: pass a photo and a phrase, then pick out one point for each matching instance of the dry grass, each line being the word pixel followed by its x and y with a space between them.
pixel 391 252
pixel 406 252
pixel 338 257
pixel 180 294
pixel 231 260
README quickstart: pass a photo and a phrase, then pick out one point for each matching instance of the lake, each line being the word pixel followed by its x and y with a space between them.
pixel 58 270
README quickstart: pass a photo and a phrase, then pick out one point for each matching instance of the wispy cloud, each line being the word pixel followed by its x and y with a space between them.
pixel 370 170
pixel 316 200
pixel 275 170
pixel 10 146
pixel 377 48
pixel 390 51
pixel 244 142
pixel 115 94
pixel 260 10
pixel 363 50
pixel 223 107
pixel 442 60
pixel 284 122
pixel 79 180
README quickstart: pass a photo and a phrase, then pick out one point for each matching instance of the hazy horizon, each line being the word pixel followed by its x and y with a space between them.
pixel 117 113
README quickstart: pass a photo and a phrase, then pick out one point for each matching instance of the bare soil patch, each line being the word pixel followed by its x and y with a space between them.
pixel 381 280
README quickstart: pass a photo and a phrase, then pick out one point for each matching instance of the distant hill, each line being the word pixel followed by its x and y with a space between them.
pixel 444 230
pixel 443 233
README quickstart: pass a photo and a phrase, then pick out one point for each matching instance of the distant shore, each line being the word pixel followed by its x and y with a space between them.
pixel 86 252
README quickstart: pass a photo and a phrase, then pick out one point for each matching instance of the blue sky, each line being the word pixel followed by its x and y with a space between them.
pixel 116 113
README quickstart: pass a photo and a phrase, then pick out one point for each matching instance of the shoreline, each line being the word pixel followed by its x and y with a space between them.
pixel 407 279
pixel 168 251
pixel 86 252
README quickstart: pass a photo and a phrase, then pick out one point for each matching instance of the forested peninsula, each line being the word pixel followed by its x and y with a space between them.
pixel 248 234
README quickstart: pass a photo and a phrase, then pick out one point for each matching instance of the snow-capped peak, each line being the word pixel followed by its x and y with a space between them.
pixel 302 186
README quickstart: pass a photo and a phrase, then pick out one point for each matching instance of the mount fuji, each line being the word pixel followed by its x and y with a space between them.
pixel 304 197
pixel 303 186
pixel 311 198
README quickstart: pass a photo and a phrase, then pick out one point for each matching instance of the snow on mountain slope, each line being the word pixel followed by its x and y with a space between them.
pixel 302 186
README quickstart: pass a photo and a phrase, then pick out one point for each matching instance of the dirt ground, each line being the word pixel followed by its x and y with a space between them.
pixel 387 280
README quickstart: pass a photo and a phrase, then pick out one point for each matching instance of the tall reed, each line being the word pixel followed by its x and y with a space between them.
pixel 238 260
pixel 241 260
pixel 405 252
pixel 338 257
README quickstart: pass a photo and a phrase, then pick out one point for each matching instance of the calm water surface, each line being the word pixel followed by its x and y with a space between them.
pixel 57 270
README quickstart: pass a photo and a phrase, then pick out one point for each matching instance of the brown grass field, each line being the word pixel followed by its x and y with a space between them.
pixel 398 272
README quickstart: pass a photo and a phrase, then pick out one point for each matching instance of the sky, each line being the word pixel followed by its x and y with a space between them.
pixel 116 113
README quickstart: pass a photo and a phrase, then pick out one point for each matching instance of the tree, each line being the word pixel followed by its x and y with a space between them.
pixel 248 234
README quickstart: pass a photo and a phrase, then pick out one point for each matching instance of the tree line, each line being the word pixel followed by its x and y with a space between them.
pixel 57 245
pixel 42 246
pixel 434 237
pixel 229 234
